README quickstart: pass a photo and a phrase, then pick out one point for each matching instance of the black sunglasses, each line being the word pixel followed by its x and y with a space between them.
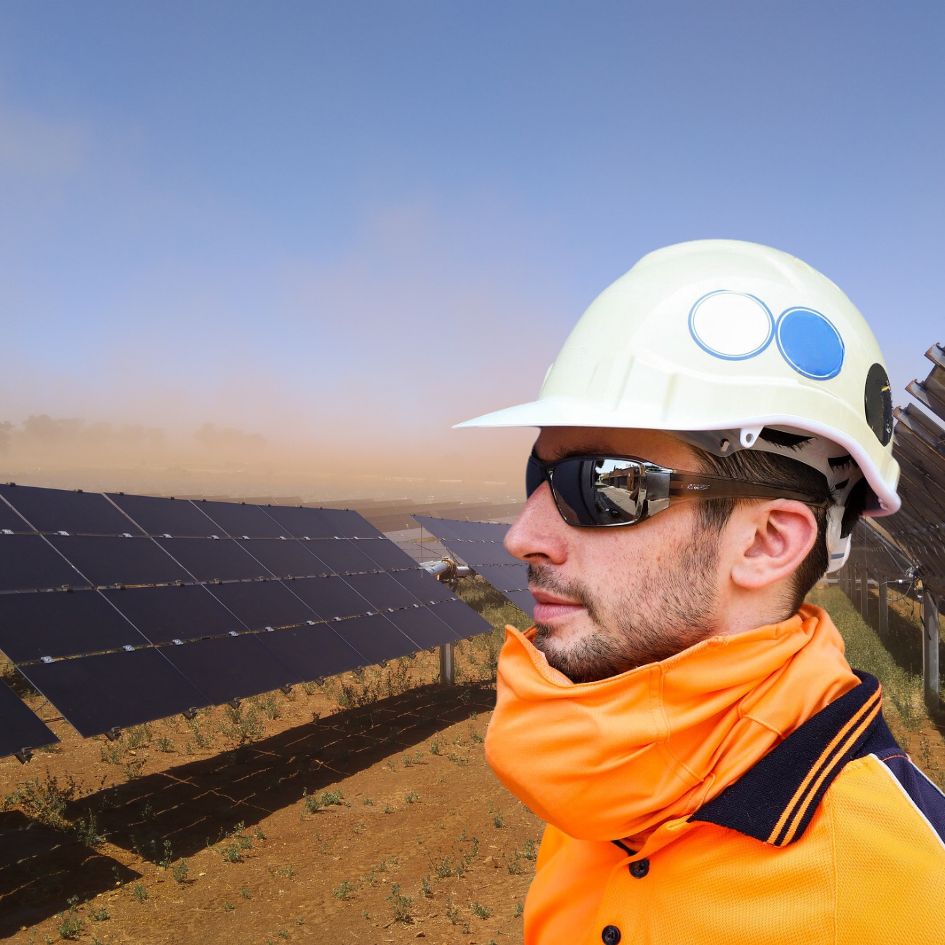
pixel 604 491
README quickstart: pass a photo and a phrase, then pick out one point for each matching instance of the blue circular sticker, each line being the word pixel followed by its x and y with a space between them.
pixel 810 343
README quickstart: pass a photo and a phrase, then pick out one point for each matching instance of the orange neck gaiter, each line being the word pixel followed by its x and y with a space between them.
pixel 615 758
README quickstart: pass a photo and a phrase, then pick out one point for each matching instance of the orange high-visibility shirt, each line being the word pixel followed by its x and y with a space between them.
pixel 832 837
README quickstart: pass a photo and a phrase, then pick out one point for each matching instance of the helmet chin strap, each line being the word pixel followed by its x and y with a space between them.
pixel 838 547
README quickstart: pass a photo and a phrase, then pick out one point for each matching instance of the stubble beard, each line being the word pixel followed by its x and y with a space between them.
pixel 667 612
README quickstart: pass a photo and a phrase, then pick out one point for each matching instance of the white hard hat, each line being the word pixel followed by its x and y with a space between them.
pixel 716 340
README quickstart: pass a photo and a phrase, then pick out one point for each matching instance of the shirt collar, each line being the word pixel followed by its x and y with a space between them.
pixel 775 800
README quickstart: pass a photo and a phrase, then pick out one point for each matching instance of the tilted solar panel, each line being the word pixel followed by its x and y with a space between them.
pixel 61 623
pixel 505 577
pixel 341 555
pixel 375 638
pixel 285 557
pixel 242 521
pixel 21 729
pixel 176 517
pixel 172 612
pixel 330 598
pixel 108 561
pixel 381 590
pixel 425 627
pixel 11 522
pixel 479 544
pixel 227 668
pixel 60 510
pixel 312 652
pixel 114 690
pixel 422 586
pixel 261 604
pixel 121 609
pixel 29 563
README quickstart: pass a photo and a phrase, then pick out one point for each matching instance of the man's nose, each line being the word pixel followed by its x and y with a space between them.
pixel 539 534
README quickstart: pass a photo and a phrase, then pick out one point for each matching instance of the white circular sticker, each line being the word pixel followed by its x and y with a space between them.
pixel 731 325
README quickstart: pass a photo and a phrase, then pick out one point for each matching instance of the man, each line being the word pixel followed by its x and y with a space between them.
pixel 710 768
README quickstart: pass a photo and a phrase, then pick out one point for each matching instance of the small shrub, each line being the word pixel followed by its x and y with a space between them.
pixel 101 914
pixel 481 911
pixel 400 904
pixel 179 871
pixel 411 797
pixel 139 893
pixel 342 890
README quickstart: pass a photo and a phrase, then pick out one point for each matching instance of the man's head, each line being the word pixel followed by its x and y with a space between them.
pixel 756 368
pixel 610 599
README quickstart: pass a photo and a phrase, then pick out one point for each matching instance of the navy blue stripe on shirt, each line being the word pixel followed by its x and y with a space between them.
pixel 927 798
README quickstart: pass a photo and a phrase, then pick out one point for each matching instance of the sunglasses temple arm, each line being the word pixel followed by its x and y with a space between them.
pixel 693 486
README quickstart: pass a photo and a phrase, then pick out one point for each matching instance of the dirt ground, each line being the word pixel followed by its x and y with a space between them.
pixel 357 810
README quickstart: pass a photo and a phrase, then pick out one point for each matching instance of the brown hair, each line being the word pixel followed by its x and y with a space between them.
pixel 777 470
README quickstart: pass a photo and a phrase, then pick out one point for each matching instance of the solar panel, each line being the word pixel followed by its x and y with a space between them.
pixel 214 559
pixel 241 520
pixel 285 557
pixel 330 597
pixel 79 513
pixel 176 517
pixel 462 619
pixel 423 586
pixel 523 600
pixel 156 625
pixel 423 626
pixel 107 561
pixel 114 690
pixel 19 727
pixel 311 652
pixel 302 522
pixel 261 604
pixel 381 590
pixel 27 563
pixel 163 614
pixel 376 638
pixel 342 556
pixel 61 623
pixel 386 555
pixel 476 553
pixel 11 522
pixel 505 577
pixel 228 667
pixel 479 544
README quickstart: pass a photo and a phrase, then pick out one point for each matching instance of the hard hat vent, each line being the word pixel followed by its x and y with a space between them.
pixel 878 403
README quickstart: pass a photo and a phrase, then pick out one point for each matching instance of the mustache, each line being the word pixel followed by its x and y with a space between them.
pixel 544 577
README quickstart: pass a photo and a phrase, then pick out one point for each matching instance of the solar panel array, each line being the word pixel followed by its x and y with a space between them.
pixel 479 544
pixel 122 609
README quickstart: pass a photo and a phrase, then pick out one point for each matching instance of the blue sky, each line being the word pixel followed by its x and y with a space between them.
pixel 352 224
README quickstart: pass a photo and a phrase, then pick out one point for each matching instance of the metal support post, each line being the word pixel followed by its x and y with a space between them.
pixel 865 596
pixel 930 644
pixel 882 621
pixel 447 667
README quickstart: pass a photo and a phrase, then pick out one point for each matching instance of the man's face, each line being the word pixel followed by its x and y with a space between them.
pixel 611 599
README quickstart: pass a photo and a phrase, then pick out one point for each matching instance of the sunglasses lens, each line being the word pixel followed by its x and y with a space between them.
pixel 534 475
pixel 596 491
pixel 617 493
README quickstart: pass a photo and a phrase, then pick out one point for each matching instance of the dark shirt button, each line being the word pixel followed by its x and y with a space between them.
pixel 610 935
pixel 639 868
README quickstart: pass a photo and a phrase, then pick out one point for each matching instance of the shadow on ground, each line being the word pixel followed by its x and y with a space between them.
pixel 174 813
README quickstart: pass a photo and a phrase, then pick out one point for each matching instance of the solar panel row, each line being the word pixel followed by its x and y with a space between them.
pixel 122 609
pixel 479 544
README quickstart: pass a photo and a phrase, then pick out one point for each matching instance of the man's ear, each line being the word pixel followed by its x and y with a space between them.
pixel 771 540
